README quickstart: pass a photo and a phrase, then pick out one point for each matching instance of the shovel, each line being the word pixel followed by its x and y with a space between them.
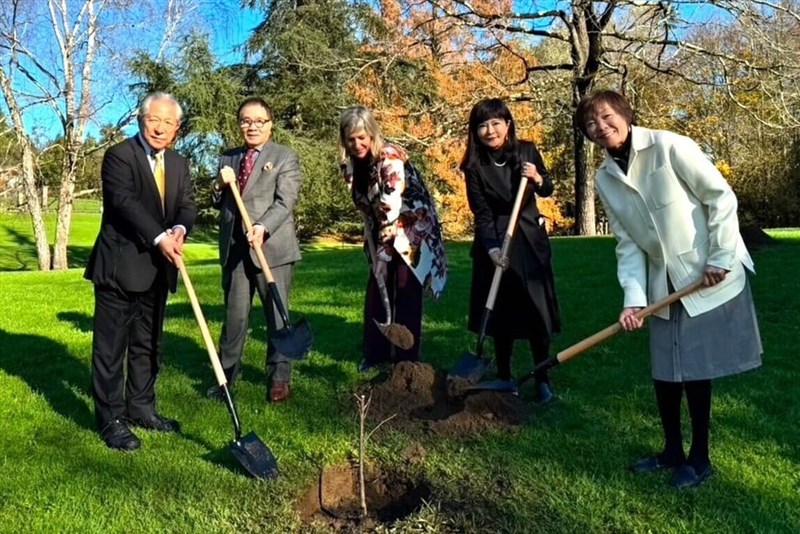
pixel 249 450
pixel 512 386
pixel 397 334
pixel 472 365
pixel 293 340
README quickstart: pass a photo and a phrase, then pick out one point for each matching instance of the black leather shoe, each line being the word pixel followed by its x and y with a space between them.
pixel 215 393
pixel 117 435
pixel 158 423
pixel 544 393
pixel 652 464
pixel 687 477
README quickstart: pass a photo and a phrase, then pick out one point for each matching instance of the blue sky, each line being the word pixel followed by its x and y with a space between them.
pixel 226 23
pixel 228 26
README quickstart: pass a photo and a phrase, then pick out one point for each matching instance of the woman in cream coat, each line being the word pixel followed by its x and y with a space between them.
pixel 674 217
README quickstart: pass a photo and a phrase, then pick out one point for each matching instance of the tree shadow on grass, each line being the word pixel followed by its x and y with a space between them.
pixel 185 351
pixel 80 321
pixel 179 352
pixel 192 359
pixel 327 331
pixel 20 253
pixel 49 369
pixel 78 256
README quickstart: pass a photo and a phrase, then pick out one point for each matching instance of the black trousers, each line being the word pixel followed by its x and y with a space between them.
pixel 504 346
pixel 405 297
pixel 126 351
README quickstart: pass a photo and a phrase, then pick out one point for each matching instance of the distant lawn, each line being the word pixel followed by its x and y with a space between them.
pixel 18 249
pixel 564 472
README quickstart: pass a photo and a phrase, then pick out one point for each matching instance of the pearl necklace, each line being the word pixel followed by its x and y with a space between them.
pixel 500 164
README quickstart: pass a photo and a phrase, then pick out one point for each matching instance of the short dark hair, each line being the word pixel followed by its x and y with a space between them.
pixel 254 100
pixel 486 109
pixel 591 102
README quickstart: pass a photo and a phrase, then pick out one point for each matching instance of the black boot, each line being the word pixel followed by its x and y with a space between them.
pixel 503 347
pixel 544 392
pixel 540 348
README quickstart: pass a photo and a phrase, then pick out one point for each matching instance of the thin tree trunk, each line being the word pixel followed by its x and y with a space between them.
pixel 35 208
pixel 586 53
pixel 64 219
pixel 28 176
pixel 77 113
pixel 585 220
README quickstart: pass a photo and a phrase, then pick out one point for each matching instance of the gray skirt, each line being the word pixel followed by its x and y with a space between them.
pixel 721 342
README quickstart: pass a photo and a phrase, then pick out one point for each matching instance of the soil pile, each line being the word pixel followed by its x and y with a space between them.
pixel 335 498
pixel 420 397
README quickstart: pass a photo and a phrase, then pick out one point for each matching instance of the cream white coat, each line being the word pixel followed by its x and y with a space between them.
pixel 672 214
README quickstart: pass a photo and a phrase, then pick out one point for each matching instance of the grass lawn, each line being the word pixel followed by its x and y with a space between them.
pixel 18 248
pixel 563 472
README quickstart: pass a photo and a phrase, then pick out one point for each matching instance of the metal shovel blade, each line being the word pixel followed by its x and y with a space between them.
pixel 470 367
pixel 501 386
pixel 294 341
pixel 254 456
pixel 397 334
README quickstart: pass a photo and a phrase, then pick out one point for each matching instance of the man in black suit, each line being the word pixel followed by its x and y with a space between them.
pixel 148 208
pixel 269 177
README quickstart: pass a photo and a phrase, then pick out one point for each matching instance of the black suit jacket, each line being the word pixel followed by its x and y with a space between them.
pixel 492 201
pixel 124 255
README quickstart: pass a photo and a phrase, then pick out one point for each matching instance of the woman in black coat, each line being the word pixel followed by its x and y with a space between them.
pixel 526 307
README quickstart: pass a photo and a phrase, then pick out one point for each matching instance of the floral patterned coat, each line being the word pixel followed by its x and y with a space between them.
pixel 401 216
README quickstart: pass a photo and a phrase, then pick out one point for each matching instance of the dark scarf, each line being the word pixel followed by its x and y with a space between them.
pixel 362 169
pixel 622 156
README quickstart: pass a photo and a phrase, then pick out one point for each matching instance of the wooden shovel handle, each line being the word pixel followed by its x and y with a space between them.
pixel 201 322
pixel 512 226
pixel 606 333
pixel 262 260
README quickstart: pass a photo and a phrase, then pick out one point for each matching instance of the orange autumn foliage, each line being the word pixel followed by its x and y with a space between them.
pixel 431 123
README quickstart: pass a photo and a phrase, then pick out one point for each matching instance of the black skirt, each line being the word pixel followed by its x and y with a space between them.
pixel 526 304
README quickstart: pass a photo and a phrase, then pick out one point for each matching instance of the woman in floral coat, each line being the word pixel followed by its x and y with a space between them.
pixel 400 217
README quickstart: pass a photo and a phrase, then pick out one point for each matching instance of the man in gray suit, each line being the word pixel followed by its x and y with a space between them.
pixel 268 176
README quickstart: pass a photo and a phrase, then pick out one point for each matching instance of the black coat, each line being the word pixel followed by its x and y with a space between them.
pixel 124 256
pixel 526 303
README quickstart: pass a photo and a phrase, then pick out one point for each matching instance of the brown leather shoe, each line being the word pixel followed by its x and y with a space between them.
pixel 279 392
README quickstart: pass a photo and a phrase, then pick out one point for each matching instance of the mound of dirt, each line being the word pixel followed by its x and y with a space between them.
pixel 422 398
pixel 335 498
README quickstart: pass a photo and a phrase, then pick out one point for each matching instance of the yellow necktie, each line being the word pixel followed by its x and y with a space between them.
pixel 159 175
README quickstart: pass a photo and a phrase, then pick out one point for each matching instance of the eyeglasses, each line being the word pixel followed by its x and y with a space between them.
pixel 155 122
pixel 258 123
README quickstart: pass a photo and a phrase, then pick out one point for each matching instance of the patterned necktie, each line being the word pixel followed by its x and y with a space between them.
pixel 160 175
pixel 246 167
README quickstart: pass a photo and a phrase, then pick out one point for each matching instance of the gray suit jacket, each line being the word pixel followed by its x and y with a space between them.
pixel 269 196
